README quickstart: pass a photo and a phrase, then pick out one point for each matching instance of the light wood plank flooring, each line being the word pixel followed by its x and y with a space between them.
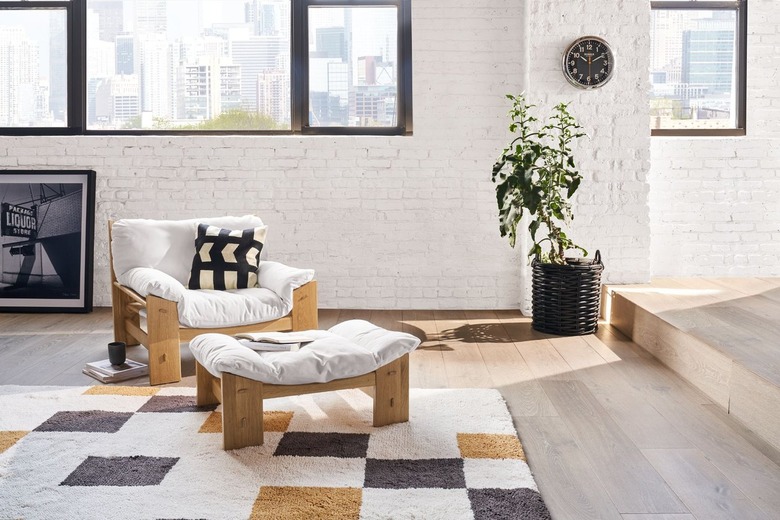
pixel 609 432
pixel 721 334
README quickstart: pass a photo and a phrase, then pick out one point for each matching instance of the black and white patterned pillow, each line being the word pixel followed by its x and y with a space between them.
pixel 226 259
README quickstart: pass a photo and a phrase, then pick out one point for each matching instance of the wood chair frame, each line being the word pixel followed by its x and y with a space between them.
pixel 242 398
pixel 164 334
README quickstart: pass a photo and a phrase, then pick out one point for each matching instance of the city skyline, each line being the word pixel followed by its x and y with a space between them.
pixel 142 57
pixel 693 69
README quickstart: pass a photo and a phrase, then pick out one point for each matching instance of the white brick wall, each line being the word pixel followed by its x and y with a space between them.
pixel 715 202
pixel 404 222
pixel 611 210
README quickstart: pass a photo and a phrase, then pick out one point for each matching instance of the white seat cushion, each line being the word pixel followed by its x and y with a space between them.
pixel 349 349
pixel 206 309
pixel 214 309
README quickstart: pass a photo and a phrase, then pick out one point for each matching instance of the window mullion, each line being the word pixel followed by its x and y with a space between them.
pixel 76 66
pixel 299 60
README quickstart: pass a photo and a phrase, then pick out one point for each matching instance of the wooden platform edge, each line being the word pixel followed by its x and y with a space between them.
pixel 734 388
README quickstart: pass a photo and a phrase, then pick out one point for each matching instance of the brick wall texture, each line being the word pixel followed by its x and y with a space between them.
pixel 410 222
pixel 715 202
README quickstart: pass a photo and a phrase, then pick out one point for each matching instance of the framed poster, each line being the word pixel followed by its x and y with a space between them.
pixel 46 240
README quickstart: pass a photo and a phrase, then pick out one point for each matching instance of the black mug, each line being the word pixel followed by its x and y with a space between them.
pixel 116 352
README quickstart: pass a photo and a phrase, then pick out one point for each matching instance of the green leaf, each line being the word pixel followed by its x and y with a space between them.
pixel 573 187
pixel 498 167
pixel 533 227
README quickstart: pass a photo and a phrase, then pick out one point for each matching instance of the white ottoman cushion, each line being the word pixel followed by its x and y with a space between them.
pixel 349 349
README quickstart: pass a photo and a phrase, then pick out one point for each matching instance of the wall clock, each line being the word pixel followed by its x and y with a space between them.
pixel 588 62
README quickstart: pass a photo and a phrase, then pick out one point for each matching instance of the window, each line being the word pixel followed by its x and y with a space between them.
pixel 206 66
pixel 188 66
pixel 353 56
pixel 698 67
pixel 34 68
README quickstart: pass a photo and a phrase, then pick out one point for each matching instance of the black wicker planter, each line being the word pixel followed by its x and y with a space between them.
pixel 566 298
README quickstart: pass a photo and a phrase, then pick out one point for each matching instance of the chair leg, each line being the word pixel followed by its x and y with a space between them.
pixel 304 311
pixel 119 303
pixel 162 323
pixel 204 386
pixel 391 397
pixel 242 412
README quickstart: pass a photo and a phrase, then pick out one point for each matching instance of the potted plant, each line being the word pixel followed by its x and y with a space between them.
pixel 536 174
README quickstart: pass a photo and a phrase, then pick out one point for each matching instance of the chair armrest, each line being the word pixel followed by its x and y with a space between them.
pixel 146 281
pixel 282 279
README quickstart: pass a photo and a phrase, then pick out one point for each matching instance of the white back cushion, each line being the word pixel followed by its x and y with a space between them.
pixel 165 245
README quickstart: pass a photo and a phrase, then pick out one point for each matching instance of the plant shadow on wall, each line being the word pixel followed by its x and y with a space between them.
pixel 537 175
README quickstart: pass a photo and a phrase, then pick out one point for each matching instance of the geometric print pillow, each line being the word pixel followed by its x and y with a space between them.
pixel 226 259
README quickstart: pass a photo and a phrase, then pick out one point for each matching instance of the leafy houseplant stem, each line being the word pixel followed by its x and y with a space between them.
pixel 536 173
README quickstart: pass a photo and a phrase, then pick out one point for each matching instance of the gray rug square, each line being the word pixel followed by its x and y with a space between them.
pixel 315 444
pixel 136 470
pixel 174 404
pixel 508 504
pixel 85 421
pixel 415 473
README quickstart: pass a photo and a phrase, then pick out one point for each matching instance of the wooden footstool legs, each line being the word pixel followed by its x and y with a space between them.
pixel 242 399
pixel 391 392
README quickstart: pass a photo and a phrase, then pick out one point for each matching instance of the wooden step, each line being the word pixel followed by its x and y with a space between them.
pixel 720 334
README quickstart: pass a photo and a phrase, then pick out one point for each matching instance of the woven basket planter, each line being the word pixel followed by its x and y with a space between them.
pixel 566 298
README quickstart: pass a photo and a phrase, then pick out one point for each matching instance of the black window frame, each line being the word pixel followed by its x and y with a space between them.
pixel 300 108
pixel 299 74
pixel 740 54
pixel 75 62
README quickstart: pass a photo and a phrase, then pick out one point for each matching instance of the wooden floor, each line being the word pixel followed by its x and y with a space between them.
pixel 720 334
pixel 609 432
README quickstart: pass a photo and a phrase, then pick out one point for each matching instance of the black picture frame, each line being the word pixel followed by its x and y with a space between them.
pixel 47 239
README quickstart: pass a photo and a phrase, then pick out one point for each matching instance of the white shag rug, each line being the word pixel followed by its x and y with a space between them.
pixel 149 453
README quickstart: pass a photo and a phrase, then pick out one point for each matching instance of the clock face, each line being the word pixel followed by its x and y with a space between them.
pixel 588 62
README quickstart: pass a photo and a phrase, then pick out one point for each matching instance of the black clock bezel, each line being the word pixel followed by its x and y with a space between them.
pixel 570 49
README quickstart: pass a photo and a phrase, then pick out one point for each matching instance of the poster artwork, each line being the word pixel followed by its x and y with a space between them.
pixel 18 221
pixel 46 240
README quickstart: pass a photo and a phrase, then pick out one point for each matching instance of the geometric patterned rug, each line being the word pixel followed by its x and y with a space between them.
pixel 149 453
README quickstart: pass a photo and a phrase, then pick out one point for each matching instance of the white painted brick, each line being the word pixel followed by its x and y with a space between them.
pixel 410 222
pixel 741 174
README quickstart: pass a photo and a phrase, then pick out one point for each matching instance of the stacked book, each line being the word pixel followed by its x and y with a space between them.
pixel 273 341
pixel 105 372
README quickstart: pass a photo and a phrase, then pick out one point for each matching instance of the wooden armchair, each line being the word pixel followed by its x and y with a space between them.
pixel 164 331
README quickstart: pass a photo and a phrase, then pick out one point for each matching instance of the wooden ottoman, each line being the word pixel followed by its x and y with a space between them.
pixel 352 354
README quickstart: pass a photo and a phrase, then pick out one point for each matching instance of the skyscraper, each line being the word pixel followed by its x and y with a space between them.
pixel 156 76
pixel 117 100
pixel 151 17
pixel 110 15
pixel 256 55
pixel 125 56
pixel 331 43
pixel 18 77
pixel 273 95
pixel 58 68
pixel 209 88
pixel 268 17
